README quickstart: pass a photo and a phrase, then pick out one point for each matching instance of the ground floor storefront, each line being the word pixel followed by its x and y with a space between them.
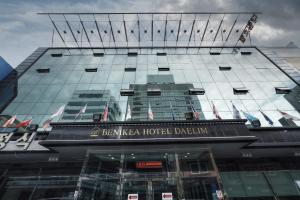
pixel 151 173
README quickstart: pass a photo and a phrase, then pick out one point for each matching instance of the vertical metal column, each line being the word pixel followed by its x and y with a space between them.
pixel 57 30
pixel 121 180
pixel 179 178
pixel 165 33
pixel 152 30
pixel 218 177
pixel 149 191
pixel 111 30
pixel 96 183
pixel 77 192
pixel 178 31
pixel 270 186
pixel 125 30
pixel 98 30
pixel 229 32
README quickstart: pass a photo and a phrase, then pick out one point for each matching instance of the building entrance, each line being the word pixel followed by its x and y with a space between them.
pixel 149 175
pixel 151 189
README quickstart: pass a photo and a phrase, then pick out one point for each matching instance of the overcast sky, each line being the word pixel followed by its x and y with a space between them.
pixel 22 30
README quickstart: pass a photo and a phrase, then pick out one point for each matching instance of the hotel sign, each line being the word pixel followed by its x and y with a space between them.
pixel 205 129
pixel 148 132
pixel 19 142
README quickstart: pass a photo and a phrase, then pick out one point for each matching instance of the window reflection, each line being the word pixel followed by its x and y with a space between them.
pixel 41 94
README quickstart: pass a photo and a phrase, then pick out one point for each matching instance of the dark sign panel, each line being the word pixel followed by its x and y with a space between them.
pixel 149 130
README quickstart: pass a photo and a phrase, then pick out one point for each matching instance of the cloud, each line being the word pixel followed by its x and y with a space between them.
pixel 22 30
pixel 266 32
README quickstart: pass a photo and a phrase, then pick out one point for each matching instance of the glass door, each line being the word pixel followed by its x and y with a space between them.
pixel 135 188
pixel 119 174
pixel 164 187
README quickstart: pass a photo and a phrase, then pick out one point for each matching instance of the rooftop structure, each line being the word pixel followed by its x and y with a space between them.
pixel 152 29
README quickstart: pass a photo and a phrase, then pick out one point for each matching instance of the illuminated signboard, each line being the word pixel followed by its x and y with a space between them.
pixel 148 164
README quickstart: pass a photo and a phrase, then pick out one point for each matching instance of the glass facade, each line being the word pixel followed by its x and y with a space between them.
pixel 78 78
pixel 249 184
pixel 8 83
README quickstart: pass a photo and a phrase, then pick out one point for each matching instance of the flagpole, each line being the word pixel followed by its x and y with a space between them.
pixel 173 116
pixel 106 107
pixel 62 112
pixel 29 123
pixel 191 104
pixel 148 111
pixel 81 111
pixel 126 110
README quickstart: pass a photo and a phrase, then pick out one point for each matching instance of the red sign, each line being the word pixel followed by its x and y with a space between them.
pixel 167 196
pixel 148 164
pixel 133 196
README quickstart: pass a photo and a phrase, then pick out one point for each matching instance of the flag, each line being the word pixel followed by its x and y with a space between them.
pixel 215 111
pixel 195 112
pixel 253 120
pixel 172 111
pixel 267 118
pixel 128 114
pixel 105 113
pixel 58 112
pixel 46 123
pixel 249 117
pixel 81 111
pixel 150 113
pixel 24 123
pixel 236 113
pixel 10 121
pixel 288 116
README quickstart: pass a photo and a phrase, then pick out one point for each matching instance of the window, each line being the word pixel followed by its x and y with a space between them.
pixel 130 69
pixel 163 69
pixel 127 92
pixel 240 90
pixel 282 90
pixel 56 54
pixel 43 70
pixel 224 68
pixel 196 91
pixel 90 95
pixel 98 54
pixel 132 54
pixel 246 53
pixel 214 53
pixel 153 92
pixel 91 69
pixel 161 54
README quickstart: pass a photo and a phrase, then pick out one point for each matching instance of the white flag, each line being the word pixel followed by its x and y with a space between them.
pixel 10 121
pixel 58 112
pixel 150 113
pixel 81 111
pixel 128 114
pixel 236 113
pixel 215 111
pixel 288 116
